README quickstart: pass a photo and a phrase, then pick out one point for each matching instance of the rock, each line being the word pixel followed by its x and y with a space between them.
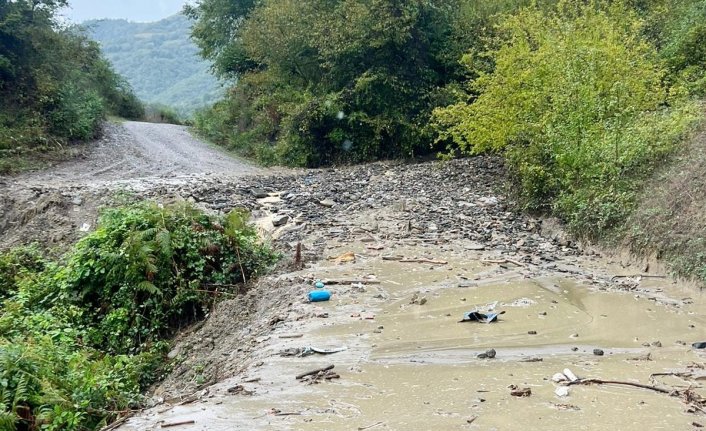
pixel 280 220
pixel 532 332
pixel 258 193
pixel 598 352
pixel 328 203
pixel 490 353
pixel 174 353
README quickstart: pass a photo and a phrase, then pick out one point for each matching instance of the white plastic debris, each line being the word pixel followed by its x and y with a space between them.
pixel 562 391
pixel 570 375
pixel 559 377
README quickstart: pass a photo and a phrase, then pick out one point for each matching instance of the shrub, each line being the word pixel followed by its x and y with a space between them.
pixel 80 338
pixel 577 104
pixel 77 113
pixel 156 113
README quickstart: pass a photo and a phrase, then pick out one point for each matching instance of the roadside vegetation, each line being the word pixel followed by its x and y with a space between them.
pixel 584 99
pixel 55 86
pixel 81 337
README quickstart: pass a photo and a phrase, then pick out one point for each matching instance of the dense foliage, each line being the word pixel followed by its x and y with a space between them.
pixel 577 101
pixel 323 82
pixel 159 60
pixel 54 84
pixel 81 337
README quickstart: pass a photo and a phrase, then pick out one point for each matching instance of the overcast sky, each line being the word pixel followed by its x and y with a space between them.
pixel 133 10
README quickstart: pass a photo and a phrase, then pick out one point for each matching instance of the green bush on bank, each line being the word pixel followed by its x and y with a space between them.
pixel 577 103
pixel 81 337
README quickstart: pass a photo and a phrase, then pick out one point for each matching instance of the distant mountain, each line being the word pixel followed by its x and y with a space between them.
pixel 159 60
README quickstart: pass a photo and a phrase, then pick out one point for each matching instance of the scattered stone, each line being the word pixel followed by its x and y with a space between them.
pixel 598 352
pixel 280 220
pixel 258 193
pixel 328 203
pixel 559 377
pixel 517 392
pixel 532 332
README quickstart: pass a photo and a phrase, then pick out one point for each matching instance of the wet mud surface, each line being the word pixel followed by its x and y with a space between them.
pixel 406 249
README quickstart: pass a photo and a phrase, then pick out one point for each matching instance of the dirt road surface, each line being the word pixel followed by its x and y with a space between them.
pixel 59 204
pixel 140 150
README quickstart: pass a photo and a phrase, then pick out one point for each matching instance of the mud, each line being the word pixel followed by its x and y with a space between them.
pixel 409 363
pixel 412 366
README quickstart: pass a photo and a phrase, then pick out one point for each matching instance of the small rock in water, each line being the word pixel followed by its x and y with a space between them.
pixel 490 353
pixel 598 352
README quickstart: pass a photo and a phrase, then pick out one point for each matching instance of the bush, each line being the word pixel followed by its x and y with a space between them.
pixel 161 114
pixel 77 114
pixel 576 102
pixel 80 338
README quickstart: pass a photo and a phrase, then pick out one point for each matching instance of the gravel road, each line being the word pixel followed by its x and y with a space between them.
pixel 59 204
pixel 134 150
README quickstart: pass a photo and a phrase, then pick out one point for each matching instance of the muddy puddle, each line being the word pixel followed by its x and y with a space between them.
pixel 410 364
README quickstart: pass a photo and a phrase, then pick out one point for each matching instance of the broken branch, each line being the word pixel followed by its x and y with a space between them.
pixel 317 371
pixel 617 382
pixel 501 261
pixel 176 424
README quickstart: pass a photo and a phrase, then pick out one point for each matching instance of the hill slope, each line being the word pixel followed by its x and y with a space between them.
pixel 159 60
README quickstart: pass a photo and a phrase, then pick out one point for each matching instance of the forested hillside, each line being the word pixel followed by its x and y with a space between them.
pixel 159 60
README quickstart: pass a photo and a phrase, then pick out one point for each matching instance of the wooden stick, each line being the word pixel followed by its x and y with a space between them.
pixel 345 281
pixel 116 424
pixel 616 382
pixel 370 426
pixel 317 371
pixel 640 275
pixel 176 424
pixel 424 260
pixel 501 261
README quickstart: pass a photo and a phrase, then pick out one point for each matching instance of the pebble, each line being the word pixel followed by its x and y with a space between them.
pixel 598 352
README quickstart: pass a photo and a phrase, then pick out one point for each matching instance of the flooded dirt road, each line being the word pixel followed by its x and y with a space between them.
pixel 410 365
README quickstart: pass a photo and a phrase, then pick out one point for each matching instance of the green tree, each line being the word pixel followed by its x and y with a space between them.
pixel 577 103
pixel 323 81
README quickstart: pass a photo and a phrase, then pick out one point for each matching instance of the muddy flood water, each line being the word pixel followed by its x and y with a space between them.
pixel 409 363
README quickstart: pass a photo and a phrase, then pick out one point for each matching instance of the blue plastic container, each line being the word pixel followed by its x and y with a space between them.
pixel 319 295
pixel 319 284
